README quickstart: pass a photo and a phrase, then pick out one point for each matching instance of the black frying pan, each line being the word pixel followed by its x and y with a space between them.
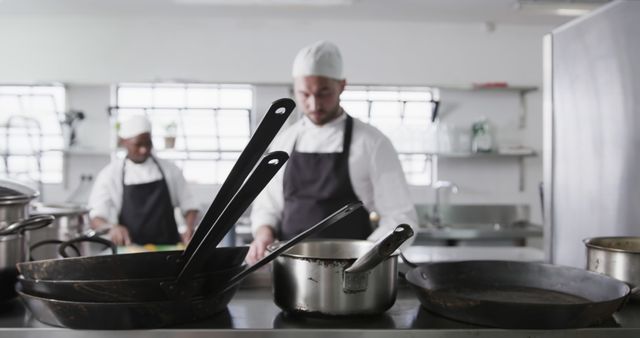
pixel 517 295
pixel 143 280
pixel 153 314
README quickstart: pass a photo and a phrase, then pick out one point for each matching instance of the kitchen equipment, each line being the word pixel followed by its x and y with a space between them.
pixel 14 201
pixel 591 126
pixel 517 295
pixel 262 137
pixel 137 315
pixel 13 251
pixel 618 257
pixel 70 222
pixel 338 277
pixel 108 289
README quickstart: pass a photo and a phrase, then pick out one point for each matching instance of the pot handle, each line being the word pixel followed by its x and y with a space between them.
pixel 356 276
pixel 29 224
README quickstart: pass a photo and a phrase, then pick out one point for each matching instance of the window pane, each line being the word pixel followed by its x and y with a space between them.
pixel 404 116
pixel 169 97
pixel 212 121
pixel 236 98
pixel 31 117
pixel 202 97
pixel 134 96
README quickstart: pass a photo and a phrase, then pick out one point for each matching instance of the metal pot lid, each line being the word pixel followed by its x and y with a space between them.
pixel 14 191
pixel 58 209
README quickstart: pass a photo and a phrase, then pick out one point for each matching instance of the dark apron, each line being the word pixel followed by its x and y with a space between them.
pixel 315 186
pixel 147 212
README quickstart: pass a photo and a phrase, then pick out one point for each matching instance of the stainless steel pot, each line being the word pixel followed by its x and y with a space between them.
pixel 13 250
pixel 338 277
pixel 70 222
pixel 14 201
pixel 618 257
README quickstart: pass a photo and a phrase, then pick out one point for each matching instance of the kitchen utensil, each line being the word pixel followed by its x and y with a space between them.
pixel 339 277
pixel 618 257
pixel 105 290
pixel 262 137
pixel 517 295
pixel 13 251
pixel 138 315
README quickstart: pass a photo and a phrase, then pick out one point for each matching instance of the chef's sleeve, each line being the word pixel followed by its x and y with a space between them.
pixel 101 203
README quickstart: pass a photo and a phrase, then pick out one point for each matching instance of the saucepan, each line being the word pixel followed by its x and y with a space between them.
pixel 618 257
pixel 338 277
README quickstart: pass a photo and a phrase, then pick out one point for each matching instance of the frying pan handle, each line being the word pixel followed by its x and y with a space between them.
pixel 271 123
pixel 330 220
pixel 62 249
pixel 49 242
pixel 264 172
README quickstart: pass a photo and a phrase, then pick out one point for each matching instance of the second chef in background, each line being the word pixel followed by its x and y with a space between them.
pixel 334 159
pixel 136 196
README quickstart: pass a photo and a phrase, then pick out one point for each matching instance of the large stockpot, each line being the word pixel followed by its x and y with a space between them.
pixel 618 257
pixel 338 277
pixel 13 250
pixel 14 201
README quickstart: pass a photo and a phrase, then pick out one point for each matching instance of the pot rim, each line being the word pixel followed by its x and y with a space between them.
pixel 25 193
pixel 59 209
pixel 588 242
pixel 275 245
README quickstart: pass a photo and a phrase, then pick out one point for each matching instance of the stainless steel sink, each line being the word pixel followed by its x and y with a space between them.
pixel 477 215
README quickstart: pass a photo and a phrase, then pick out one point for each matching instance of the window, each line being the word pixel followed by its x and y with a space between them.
pixel 211 124
pixel 404 115
pixel 31 133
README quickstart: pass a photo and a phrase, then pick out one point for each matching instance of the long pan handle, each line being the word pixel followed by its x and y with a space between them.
pixel 330 220
pixel 269 126
pixel 264 172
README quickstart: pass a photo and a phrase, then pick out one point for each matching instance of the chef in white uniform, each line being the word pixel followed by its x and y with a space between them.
pixel 136 196
pixel 334 159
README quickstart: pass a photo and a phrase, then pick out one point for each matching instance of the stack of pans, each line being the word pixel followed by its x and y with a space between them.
pixel 156 289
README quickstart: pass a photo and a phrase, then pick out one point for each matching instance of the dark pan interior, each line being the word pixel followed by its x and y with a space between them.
pixel 126 266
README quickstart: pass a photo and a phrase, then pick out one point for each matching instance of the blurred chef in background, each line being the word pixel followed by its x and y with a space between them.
pixel 136 196
pixel 334 159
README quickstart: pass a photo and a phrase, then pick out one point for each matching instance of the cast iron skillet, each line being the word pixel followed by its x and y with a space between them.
pixel 517 295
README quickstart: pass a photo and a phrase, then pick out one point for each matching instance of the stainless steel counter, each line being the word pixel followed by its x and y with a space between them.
pixel 252 313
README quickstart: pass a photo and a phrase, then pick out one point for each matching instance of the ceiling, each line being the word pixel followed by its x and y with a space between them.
pixel 467 11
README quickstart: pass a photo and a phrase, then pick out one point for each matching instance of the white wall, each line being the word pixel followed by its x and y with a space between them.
pixel 89 53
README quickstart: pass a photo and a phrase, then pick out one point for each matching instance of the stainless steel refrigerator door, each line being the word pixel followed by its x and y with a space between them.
pixel 594 173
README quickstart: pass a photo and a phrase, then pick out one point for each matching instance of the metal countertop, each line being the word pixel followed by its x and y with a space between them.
pixel 252 313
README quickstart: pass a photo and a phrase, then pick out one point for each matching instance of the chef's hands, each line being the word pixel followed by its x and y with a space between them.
pixel 119 235
pixel 264 236
pixel 186 235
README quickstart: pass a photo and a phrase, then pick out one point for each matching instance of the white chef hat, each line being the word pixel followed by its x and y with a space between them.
pixel 134 126
pixel 321 58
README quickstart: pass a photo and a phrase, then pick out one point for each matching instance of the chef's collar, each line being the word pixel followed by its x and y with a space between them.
pixel 307 123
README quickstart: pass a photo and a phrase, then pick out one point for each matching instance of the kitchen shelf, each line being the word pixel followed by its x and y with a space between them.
pixel 482 155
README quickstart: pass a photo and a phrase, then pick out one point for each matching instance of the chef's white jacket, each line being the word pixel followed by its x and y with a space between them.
pixel 106 196
pixel 374 168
